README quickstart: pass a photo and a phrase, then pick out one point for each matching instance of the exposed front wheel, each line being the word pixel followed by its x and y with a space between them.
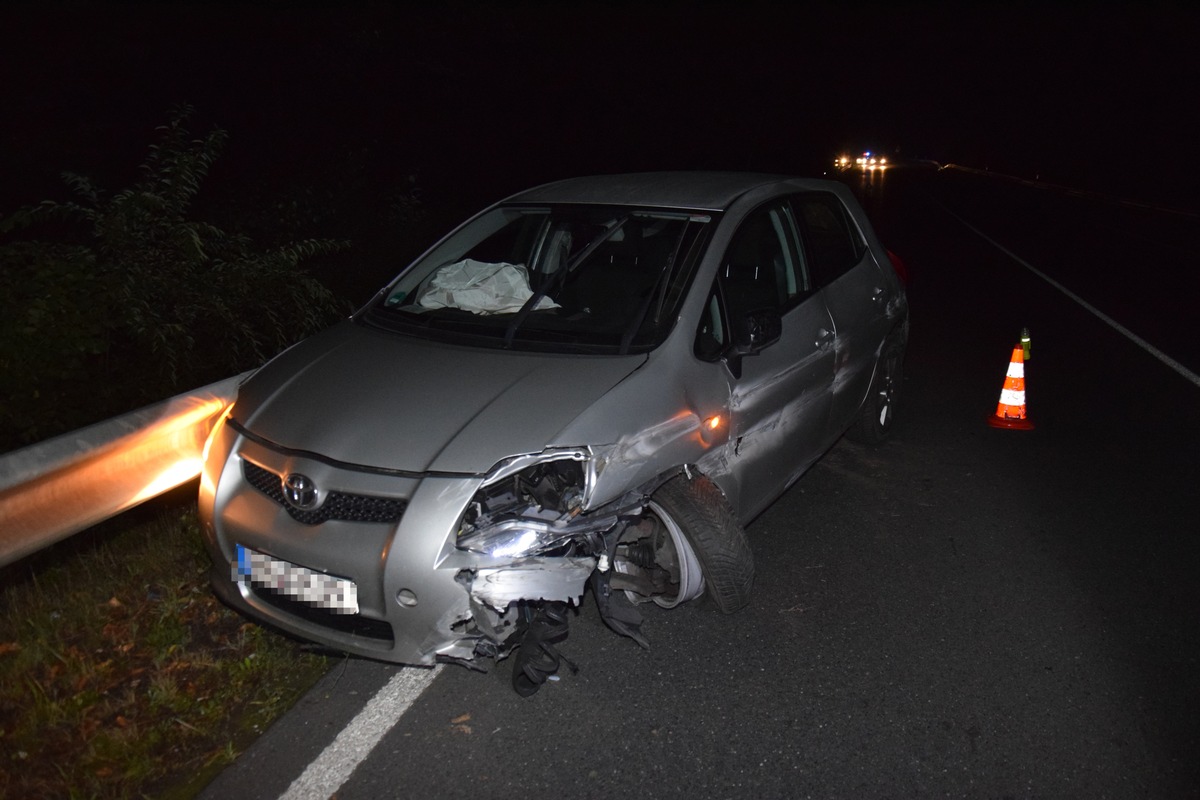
pixel 687 543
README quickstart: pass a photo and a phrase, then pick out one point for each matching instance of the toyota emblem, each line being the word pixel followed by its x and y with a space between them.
pixel 300 491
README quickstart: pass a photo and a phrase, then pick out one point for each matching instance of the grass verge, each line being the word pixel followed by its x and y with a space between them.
pixel 121 675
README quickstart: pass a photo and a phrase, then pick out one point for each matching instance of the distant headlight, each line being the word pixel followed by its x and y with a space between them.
pixel 532 504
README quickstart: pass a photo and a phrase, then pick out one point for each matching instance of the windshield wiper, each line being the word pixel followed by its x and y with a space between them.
pixel 658 296
pixel 558 277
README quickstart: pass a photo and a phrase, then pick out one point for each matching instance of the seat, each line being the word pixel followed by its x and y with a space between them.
pixel 750 278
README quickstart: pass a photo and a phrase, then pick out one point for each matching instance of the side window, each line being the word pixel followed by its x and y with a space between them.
pixel 764 267
pixel 833 244
pixel 711 336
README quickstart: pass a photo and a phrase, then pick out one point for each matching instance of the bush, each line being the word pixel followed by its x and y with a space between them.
pixel 121 300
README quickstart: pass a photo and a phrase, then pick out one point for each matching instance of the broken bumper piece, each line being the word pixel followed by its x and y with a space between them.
pixel 530 579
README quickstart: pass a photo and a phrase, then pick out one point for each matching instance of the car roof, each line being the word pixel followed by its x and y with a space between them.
pixel 710 191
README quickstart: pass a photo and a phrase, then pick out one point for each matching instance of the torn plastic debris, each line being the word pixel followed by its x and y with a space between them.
pixel 537 658
pixel 561 579
pixel 481 288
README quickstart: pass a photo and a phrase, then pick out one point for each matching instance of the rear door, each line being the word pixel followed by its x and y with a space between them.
pixel 853 290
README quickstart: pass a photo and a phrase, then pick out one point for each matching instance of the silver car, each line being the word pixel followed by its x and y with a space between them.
pixel 591 384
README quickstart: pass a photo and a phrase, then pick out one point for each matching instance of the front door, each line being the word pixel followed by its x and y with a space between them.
pixel 780 397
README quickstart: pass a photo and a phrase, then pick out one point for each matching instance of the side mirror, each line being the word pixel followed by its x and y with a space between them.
pixel 757 330
pixel 751 334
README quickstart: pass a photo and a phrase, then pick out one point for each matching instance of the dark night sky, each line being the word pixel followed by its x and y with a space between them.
pixel 493 98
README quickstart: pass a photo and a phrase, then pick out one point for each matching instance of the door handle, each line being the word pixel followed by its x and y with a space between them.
pixel 824 339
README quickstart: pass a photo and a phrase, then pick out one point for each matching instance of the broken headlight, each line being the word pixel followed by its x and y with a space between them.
pixel 530 505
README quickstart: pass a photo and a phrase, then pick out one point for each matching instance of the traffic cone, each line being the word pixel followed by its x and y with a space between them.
pixel 1010 412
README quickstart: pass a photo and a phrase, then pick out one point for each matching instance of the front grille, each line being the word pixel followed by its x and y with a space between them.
pixel 337 506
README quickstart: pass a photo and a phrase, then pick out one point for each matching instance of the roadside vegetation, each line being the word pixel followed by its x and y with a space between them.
pixel 121 674
pixel 106 286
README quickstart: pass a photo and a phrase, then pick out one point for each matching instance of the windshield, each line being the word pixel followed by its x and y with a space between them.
pixel 601 279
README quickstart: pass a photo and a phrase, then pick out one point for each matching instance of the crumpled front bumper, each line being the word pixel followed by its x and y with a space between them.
pixel 419 597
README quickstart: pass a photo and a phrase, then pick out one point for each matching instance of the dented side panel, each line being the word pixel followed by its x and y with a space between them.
pixel 780 406
pixel 665 409
pixel 859 303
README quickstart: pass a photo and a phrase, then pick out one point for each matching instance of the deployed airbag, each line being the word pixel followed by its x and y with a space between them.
pixel 481 288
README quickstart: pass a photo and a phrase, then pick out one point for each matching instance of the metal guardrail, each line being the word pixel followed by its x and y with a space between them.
pixel 53 489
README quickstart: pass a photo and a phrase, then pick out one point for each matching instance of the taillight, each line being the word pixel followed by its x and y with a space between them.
pixel 899 266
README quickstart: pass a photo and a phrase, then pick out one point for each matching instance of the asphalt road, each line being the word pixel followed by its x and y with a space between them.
pixel 963 612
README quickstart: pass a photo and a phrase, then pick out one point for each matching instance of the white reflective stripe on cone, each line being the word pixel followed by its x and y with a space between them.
pixel 1010 398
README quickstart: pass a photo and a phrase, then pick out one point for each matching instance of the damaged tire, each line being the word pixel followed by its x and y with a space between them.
pixel 878 414
pixel 691 534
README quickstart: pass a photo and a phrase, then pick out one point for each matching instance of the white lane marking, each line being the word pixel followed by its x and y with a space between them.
pixel 1118 327
pixel 326 774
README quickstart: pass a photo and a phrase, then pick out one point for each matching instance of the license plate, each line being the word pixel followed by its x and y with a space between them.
pixel 299 583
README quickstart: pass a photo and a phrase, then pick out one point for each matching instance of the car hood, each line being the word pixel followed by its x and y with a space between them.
pixel 377 399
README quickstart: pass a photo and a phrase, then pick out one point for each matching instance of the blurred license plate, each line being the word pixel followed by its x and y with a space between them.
pixel 315 588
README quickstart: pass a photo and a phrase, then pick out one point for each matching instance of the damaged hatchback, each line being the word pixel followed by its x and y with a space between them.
pixel 591 386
